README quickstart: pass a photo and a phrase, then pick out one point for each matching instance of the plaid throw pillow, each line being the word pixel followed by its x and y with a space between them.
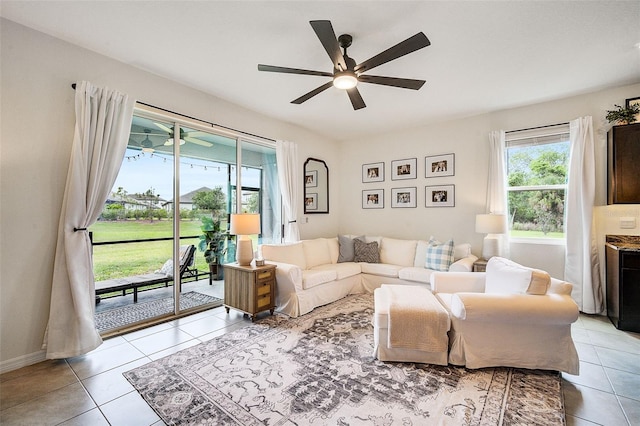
pixel 366 252
pixel 439 255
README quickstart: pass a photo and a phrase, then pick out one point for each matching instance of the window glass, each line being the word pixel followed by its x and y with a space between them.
pixel 537 163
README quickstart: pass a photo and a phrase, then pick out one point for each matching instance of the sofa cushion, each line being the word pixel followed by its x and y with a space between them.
pixel 334 249
pixel 286 253
pixel 460 251
pixel 504 276
pixel 347 248
pixel 366 252
pixel 343 270
pixel 398 252
pixel 412 273
pixel 316 252
pixel 439 255
pixel 381 269
pixel 314 277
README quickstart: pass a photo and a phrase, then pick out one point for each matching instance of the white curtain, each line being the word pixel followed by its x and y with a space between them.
pixel 103 122
pixel 287 159
pixel 497 184
pixel 581 266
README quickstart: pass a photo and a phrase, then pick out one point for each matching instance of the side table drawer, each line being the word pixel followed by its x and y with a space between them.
pixel 265 275
pixel 263 302
pixel 264 288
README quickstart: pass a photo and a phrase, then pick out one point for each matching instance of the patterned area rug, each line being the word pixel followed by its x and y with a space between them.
pixel 120 317
pixel 318 369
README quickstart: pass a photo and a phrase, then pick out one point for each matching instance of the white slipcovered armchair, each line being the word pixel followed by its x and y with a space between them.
pixel 510 316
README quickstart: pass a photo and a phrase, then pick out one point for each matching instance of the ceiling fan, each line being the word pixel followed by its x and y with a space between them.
pixel 167 138
pixel 346 74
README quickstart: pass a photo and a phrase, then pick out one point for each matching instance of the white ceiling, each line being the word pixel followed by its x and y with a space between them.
pixel 484 56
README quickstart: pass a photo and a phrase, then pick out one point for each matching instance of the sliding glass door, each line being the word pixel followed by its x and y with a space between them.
pixel 169 214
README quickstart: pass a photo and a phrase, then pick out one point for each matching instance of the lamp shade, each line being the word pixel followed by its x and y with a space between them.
pixel 491 223
pixel 245 224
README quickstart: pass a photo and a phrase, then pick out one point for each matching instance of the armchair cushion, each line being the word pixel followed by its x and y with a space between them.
pixel 507 277
pixel 439 255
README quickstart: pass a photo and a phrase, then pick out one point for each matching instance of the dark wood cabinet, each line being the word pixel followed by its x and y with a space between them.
pixel 623 165
pixel 623 288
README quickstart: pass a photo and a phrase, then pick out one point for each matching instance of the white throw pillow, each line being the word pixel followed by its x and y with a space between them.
pixel 507 277
pixel 167 268
pixel 316 252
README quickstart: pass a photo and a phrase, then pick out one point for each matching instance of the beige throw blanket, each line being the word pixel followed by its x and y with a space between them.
pixel 416 319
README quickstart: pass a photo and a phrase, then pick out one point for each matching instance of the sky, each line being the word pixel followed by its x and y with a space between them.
pixel 142 171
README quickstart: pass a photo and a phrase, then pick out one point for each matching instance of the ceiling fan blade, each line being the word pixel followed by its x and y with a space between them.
pixel 324 31
pixel 411 44
pixel 198 141
pixel 149 134
pixel 164 128
pixel 404 83
pixel 356 98
pixel 271 68
pixel 312 93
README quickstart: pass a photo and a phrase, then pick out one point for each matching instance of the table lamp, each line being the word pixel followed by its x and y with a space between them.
pixel 492 225
pixel 244 225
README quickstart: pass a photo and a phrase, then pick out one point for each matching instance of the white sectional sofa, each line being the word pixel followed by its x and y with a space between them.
pixel 312 273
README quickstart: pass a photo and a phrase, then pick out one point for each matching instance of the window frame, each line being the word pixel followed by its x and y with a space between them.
pixel 535 134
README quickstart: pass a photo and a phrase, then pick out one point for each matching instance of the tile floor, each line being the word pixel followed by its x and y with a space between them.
pixel 90 389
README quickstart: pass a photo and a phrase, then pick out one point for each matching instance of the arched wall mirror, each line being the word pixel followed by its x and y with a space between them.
pixel 316 186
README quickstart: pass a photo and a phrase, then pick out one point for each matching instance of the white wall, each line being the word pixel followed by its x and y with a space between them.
pixel 37 121
pixel 37 117
pixel 468 140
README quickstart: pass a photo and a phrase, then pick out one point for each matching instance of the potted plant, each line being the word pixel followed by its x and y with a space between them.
pixel 212 243
pixel 623 115
pixel 213 239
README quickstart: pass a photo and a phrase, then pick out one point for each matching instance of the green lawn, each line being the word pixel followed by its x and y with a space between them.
pixel 535 234
pixel 120 260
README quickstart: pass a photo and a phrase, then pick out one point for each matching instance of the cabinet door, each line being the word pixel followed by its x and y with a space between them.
pixel 624 164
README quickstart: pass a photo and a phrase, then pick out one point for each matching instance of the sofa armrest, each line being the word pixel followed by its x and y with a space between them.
pixel 288 277
pixel 463 265
pixel 514 308
pixel 455 282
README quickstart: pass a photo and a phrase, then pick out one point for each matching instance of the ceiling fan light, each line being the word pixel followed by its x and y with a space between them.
pixel 345 80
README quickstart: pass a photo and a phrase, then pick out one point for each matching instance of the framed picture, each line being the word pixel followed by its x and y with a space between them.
pixel 373 199
pixel 311 179
pixel 440 165
pixel 373 172
pixel 633 101
pixel 440 196
pixel 311 201
pixel 403 197
pixel 404 169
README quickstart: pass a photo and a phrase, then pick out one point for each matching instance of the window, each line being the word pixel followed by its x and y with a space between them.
pixel 537 163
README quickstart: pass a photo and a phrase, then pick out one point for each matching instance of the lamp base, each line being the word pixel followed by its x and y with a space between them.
pixel 491 246
pixel 244 250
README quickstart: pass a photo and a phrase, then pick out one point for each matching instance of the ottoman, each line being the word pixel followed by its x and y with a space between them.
pixel 423 326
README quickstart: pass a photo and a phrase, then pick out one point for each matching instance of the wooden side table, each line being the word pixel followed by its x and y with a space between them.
pixel 250 289
pixel 480 265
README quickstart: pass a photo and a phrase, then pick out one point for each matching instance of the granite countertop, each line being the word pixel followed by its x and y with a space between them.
pixel 624 242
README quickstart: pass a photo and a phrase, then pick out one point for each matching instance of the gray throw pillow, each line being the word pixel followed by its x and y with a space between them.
pixel 366 252
pixel 347 248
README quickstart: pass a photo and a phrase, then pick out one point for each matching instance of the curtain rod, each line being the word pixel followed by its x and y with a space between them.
pixel 73 86
pixel 538 127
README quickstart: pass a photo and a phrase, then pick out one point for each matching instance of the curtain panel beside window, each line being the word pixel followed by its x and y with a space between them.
pixel 103 119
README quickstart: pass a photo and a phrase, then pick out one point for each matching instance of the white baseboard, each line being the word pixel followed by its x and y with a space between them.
pixel 22 361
